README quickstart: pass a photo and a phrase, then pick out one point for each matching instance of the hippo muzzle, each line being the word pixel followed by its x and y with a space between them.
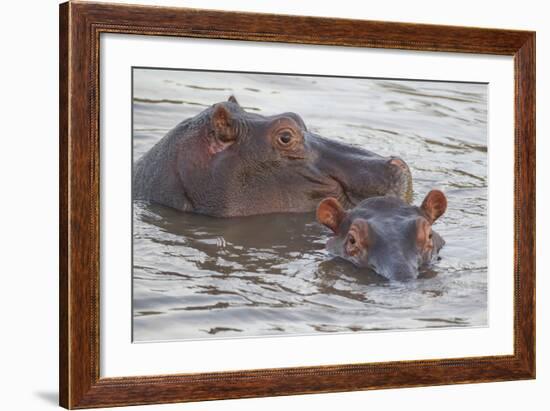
pixel 362 174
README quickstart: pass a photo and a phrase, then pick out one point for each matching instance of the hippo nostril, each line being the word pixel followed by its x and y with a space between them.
pixel 402 173
pixel 402 271
pixel 397 162
pixel 405 275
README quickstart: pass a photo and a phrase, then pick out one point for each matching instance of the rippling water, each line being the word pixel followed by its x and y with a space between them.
pixel 200 277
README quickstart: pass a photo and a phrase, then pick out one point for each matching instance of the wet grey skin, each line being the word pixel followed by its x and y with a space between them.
pixel 385 234
pixel 227 162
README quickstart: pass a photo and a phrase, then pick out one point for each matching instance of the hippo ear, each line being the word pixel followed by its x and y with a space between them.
pixel 232 99
pixel 222 123
pixel 434 205
pixel 330 213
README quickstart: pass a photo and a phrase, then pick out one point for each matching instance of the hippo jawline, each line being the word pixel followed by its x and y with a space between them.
pixel 351 198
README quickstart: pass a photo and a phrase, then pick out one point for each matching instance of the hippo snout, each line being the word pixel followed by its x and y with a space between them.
pixel 401 271
pixel 402 178
pixel 380 177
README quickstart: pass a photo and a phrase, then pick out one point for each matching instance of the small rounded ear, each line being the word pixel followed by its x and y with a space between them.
pixel 222 123
pixel 330 213
pixel 434 205
pixel 232 99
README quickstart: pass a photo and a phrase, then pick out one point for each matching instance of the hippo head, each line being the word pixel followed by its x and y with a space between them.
pixel 385 234
pixel 229 162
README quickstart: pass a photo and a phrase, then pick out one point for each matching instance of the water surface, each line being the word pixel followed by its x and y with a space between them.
pixel 201 277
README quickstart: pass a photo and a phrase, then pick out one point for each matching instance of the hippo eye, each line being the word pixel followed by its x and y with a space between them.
pixel 430 236
pixel 285 138
pixel 352 245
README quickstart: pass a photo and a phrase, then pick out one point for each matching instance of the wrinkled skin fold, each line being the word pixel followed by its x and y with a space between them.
pixel 227 162
pixel 385 234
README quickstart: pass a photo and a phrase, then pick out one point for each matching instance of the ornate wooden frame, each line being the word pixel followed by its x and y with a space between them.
pixel 80 27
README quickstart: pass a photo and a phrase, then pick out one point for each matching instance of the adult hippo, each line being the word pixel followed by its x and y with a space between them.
pixel 385 234
pixel 227 162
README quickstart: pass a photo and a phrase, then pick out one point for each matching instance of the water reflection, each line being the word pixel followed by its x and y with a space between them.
pixel 256 244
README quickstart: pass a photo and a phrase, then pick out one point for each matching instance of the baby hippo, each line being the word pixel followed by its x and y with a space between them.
pixel 385 234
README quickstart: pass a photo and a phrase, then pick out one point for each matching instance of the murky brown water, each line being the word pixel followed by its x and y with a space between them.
pixel 200 277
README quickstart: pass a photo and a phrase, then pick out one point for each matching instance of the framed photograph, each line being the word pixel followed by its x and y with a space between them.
pixel 259 205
